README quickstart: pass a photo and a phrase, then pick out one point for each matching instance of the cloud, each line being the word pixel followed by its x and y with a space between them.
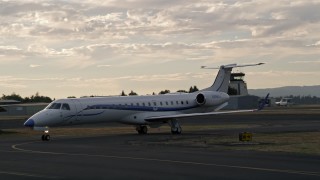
pixel 103 65
pixel 284 73
pixel 315 44
pixel 9 48
pixel 73 20
pixel 42 50
pixel 12 85
pixel 83 37
pixel 306 62
pixel 34 65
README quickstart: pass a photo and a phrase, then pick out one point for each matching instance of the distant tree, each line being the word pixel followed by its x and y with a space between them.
pixel 27 100
pixel 182 91
pixel 122 93
pixel 70 97
pixel 193 89
pixel 153 93
pixel 164 92
pixel 38 98
pixel 132 93
pixel 33 98
pixel 13 96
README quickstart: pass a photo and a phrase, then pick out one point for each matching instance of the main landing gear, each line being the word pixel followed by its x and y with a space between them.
pixel 175 126
pixel 45 136
pixel 142 129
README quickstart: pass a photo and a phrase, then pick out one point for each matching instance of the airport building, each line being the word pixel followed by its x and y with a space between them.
pixel 238 84
pixel 21 109
pixel 5 102
pixel 238 91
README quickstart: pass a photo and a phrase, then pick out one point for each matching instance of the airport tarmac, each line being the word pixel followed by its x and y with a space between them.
pixel 160 155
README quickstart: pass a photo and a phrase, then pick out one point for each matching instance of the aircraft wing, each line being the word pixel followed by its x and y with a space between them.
pixel 177 116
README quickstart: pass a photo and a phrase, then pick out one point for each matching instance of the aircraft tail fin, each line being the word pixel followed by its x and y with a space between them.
pixel 222 80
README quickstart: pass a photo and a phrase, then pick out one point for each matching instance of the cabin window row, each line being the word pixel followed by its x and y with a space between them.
pixel 160 103
pixel 150 104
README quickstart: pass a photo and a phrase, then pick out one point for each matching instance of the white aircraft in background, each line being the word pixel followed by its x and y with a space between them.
pixel 285 102
pixel 140 111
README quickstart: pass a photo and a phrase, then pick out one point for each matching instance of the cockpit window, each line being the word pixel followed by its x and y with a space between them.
pixel 65 107
pixel 54 106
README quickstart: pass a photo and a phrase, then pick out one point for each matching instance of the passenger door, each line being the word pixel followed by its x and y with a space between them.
pixel 77 111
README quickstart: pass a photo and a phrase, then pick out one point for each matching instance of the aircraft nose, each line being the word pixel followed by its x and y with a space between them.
pixel 29 123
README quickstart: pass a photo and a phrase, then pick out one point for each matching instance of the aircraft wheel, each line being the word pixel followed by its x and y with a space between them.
pixel 45 137
pixel 176 131
pixel 138 129
pixel 144 130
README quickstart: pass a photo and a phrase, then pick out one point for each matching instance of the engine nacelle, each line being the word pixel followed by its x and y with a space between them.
pixel 211 98
pixel 201 99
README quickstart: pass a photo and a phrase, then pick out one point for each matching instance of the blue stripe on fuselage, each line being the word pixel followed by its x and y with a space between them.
pixel 139 108
pixel 127 107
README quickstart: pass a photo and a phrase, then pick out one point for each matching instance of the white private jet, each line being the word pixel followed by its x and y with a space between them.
pixel 140 111
pixel 285 102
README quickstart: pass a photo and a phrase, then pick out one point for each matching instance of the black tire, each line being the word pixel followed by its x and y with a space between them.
pixel 178 131
pixel 47 137
pixel 144 129
pixel 43 137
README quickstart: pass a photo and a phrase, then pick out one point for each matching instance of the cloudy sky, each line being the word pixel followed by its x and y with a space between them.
pixel 69 47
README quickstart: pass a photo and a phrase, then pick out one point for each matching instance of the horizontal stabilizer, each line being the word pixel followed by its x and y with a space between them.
pixel 232 66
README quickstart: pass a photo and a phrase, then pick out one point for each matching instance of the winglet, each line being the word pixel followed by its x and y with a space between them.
pixel 263 103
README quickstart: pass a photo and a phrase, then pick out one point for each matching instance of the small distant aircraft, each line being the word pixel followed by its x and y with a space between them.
pixel 140 111
pixel 285 102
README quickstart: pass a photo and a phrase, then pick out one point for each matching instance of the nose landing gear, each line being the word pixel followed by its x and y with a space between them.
pixel 45 136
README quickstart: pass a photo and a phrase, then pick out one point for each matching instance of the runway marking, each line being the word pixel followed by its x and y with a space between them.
pixel 27 175
pixel 288 171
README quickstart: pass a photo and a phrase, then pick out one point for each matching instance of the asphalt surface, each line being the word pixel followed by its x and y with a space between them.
pixel 117 156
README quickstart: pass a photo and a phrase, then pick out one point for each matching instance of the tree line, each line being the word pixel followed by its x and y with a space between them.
pixel 32 99
pixel 39 98
pixel 191 90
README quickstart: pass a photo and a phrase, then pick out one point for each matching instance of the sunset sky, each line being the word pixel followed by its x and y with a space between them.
pixel 76 48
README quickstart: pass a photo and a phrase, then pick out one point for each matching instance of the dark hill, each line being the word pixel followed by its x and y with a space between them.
pixel 287 91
